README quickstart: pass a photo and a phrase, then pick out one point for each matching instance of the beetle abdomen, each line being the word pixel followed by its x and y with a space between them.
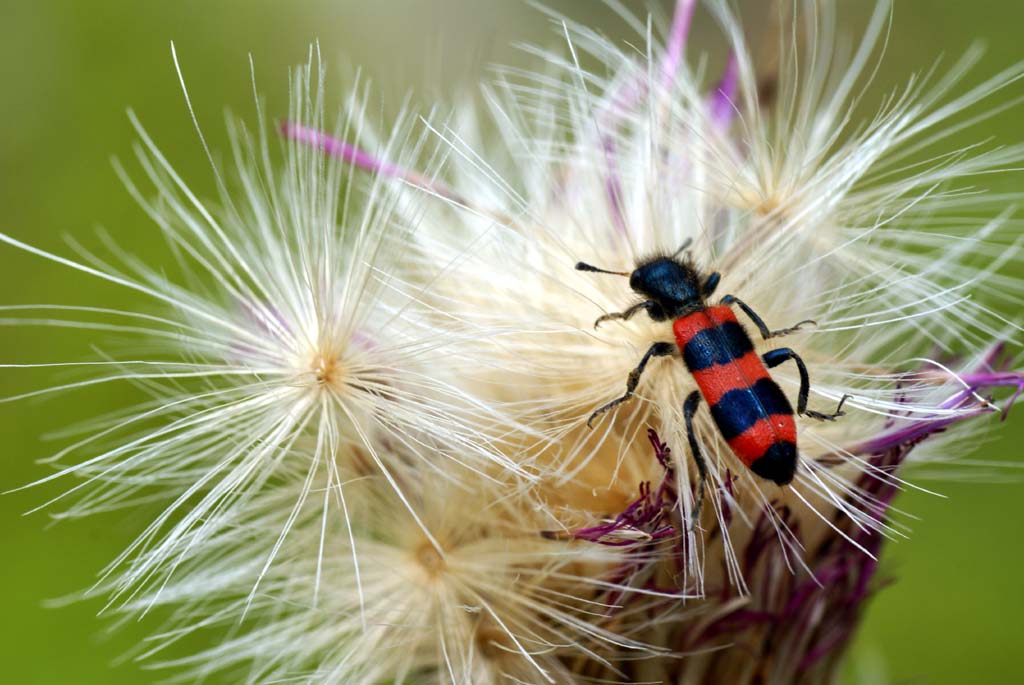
pixel 748 407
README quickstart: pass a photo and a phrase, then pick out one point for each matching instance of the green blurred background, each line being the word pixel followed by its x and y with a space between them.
pixel 70 69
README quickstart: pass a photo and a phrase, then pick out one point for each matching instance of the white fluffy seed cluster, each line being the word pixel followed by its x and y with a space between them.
pixel 370 367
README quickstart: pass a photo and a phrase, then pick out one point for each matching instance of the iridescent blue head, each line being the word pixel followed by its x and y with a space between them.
pixel 675 285
pixel 672 286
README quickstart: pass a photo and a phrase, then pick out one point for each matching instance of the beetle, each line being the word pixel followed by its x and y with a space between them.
pixel 750 410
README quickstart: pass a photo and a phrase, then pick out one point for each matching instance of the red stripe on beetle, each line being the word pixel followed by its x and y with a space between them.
pixel 752 443
pixel 690 325
pixel 739 373
pixel 721 314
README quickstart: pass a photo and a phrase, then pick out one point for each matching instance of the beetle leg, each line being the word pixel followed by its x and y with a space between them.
pixel 658 349
pixel 766 333
pixel 689 409
pixel 652 307
pixel 773 358
pixel 834 415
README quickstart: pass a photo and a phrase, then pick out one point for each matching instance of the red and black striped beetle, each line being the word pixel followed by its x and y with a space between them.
pixel 748 407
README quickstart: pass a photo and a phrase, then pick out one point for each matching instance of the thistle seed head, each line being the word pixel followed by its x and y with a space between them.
pixel 372 368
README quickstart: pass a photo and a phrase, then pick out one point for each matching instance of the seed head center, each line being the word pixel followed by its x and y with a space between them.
pixel 430 560
pixel 328 369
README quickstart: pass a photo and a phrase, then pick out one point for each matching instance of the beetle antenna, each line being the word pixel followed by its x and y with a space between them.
pixel 583 266
pixel 686 244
